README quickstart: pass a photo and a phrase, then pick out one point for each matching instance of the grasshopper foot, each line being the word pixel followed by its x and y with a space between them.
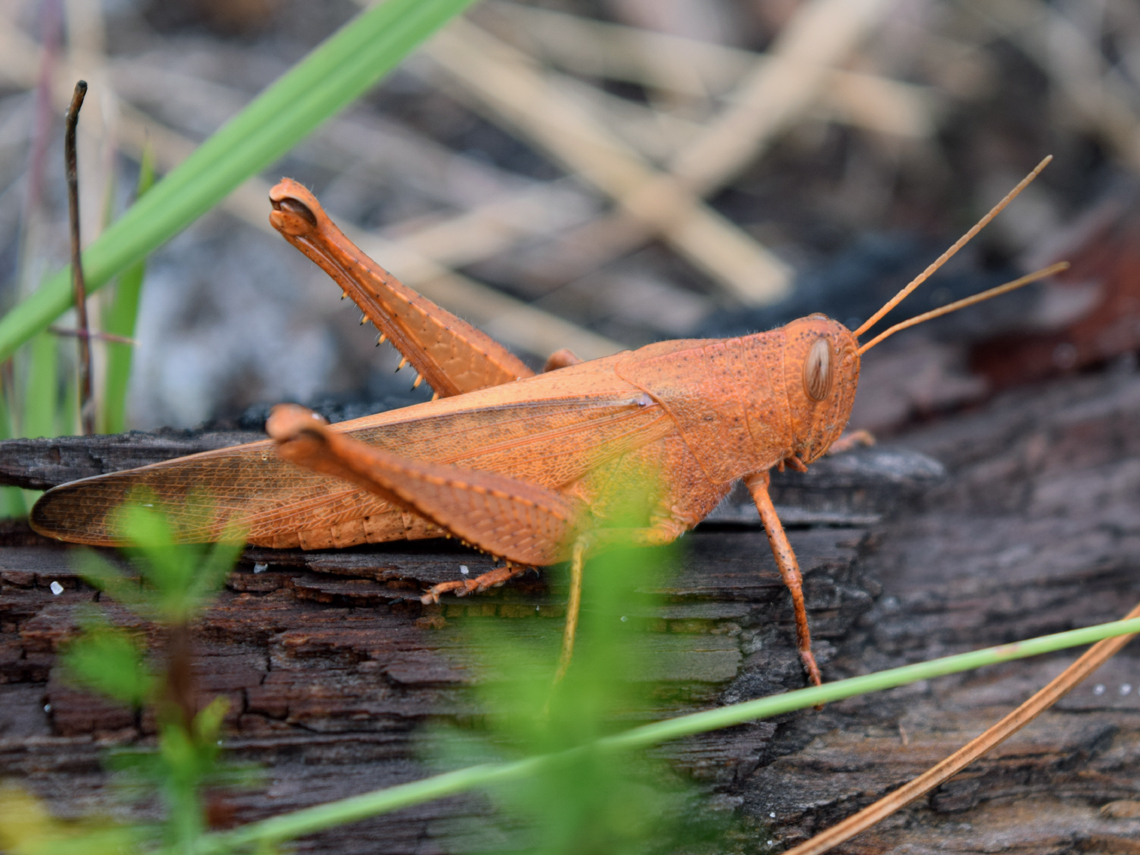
pixel 478 585
pixel 432 594
pixel 495 578
pixel 811 668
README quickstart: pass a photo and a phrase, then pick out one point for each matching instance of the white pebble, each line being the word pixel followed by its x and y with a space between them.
pixel 47 708
pixel 56 588
pixel 1098 689
pixel 1125 688
pixel 260 568
pixel 772 814
pixel 463 569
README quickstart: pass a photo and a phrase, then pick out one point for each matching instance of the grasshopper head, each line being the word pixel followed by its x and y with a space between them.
pixel 821 356
pixel 821 373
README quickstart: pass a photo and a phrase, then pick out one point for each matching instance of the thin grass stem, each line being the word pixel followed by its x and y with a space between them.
pixel 309 820
pixel 119 320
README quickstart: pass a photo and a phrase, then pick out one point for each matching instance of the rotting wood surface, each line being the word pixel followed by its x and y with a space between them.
pixel 331 672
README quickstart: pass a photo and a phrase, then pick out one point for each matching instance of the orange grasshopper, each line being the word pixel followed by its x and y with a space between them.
pixel 522 466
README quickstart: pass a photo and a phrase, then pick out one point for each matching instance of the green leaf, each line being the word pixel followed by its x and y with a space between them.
pixel 215 566
pixel 329 78
pixel 184 575
pixel 41 392
pixel 176 580
pixel 11 498
pixel 100 573
pixel 109 661
pixel 27 828
pixel 207 726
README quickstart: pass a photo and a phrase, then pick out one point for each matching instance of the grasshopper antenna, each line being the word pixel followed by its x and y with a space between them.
pixel 948 254
pixel 968 301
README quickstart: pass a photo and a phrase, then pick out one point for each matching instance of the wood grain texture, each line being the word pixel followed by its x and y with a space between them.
pixel 332 670
pixel 39 464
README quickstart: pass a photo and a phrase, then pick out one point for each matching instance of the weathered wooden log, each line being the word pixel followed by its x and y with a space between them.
pixel 332 666
pixel 37 464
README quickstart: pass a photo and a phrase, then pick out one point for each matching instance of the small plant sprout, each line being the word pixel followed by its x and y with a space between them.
pixel 173 585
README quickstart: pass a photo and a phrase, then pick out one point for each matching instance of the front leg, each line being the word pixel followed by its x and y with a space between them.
pixel 789 568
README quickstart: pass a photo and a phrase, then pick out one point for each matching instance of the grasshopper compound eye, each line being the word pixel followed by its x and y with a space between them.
pixel 296 206
pixel 817 370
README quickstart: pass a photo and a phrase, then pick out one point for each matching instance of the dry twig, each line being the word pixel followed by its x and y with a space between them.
pixel 781 87
pixel 1096 94
pixel 543 106
pixel 86 403
pixel 705 71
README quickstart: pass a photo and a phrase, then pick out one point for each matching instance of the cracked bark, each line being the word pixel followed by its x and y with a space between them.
pixel 332 668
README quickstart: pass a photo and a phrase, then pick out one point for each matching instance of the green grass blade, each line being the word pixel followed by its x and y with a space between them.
pixel 41 410
pixel 41 391
pixel 11 498
pixel 309 820
pixel 330 77
pixel 12 505
pixel 829 693
pixel 120 320
pixel 67 419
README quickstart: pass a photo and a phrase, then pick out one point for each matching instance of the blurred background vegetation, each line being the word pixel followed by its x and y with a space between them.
pixel 595 174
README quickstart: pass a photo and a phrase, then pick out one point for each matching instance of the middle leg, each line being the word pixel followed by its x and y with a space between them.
pixel 789 568
pixel 666 532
